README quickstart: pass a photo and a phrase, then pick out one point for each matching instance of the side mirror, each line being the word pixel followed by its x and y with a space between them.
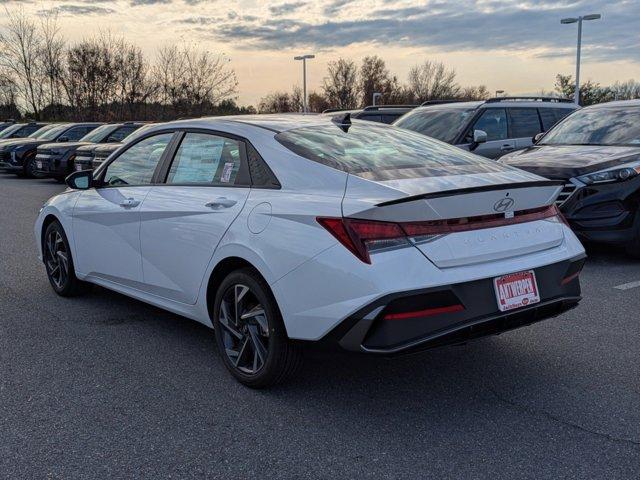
pixel 63 139
pixel 479 136
pixel 81 180
pixel 537 137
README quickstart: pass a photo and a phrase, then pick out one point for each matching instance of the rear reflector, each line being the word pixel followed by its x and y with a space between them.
pixel 362 236
pixel 428 312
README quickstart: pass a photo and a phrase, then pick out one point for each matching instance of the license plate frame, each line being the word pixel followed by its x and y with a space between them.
pixel 516 290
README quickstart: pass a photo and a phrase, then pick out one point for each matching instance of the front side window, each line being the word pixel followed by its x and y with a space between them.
pixel 524 122
pixel 377 151
pixel 206 159
pixel 493 121
pixel 50 132
pixel 76 133
pixel 597 126
pixel 136 165
pixel 439 123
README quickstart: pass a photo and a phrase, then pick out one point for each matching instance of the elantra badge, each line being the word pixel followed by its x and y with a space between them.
pixel 503 205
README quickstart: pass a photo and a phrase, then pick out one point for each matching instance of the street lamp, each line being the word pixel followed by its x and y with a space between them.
pixel 499 92
pixel 578 20
pixel 376 96
pixel 304 59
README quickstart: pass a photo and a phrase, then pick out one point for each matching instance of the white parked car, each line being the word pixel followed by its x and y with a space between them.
pixel 282 231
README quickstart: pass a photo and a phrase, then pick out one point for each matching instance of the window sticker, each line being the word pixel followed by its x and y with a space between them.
pixel 226 172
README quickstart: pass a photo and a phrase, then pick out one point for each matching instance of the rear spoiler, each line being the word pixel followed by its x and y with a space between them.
pixel 482 188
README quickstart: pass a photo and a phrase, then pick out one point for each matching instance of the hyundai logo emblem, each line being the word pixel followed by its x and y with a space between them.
pixel 503 204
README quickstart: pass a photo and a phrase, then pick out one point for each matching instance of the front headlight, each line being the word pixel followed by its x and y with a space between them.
pixel 610 176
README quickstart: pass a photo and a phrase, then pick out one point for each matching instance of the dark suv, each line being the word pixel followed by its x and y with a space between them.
pixel 90 157
pixel 19 156
pixel 20 130
pixel 376 113
pixel 489 128
pixel 56 160
pixel 596 153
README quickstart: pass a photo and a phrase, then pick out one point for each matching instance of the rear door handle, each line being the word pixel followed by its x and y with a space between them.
pixel 129 203
pixel 220 203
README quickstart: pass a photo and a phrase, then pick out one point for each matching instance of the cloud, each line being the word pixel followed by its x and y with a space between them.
pixel 77 10
pixel 452 26
pixel 285 8
pixel 135 3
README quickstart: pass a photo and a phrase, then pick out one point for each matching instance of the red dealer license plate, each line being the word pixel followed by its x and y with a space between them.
pixel 516 290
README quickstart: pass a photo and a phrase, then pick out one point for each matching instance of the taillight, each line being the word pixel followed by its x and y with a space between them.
pixel 364 236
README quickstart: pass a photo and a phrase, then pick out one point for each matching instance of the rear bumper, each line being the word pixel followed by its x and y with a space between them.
pixel 368 331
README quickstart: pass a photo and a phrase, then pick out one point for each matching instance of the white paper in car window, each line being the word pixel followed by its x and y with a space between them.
pixel 226 172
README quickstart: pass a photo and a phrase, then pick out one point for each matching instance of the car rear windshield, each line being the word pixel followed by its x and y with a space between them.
pixel 439 123
pixel 381 152
pixel 599 126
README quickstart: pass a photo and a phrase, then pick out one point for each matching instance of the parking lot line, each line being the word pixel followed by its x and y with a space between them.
pixel 627 286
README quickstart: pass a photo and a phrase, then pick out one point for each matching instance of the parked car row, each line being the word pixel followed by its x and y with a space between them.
pixel 49 150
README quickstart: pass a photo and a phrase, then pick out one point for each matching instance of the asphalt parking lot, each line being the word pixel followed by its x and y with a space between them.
pixel 103 386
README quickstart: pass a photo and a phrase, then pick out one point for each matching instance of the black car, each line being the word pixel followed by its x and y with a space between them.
pixel 19 156
pixel 57 160
pixel 596 153
pixel 20 130
pixel 376 113
pixel 90 157
pixel 6 124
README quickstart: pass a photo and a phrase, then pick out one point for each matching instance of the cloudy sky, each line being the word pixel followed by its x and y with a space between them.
pixel 512 45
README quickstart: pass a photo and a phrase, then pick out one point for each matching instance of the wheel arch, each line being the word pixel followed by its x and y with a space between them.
pixel 223 268
pixel 48 220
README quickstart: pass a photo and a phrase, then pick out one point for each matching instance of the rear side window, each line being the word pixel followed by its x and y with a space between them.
pixel 136 165
pixel 379 152
pixel 493 121
pixel 206 159
pixel 524 122
pixel 551 116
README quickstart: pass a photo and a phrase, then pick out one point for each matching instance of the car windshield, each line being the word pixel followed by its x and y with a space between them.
pixel 439 123
pixel 95 136
pixel 598 126
pixel 51 133
pixel 41 131
pixel 377 151
pixel 7 132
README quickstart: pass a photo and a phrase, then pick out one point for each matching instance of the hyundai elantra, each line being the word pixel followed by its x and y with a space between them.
pixel 283 232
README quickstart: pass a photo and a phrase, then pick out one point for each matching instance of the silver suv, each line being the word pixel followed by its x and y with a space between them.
pixel 489 128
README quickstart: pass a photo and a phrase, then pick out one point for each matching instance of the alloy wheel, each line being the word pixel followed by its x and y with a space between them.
pixel 57 259
pixel 245 329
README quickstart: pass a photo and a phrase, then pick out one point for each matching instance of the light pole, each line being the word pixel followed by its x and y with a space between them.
pixel 499 92
pixel 304 59
pixel 376 96
pixel 578 20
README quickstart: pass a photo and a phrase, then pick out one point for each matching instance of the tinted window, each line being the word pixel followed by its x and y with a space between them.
pixel 76 133
pixel 10 131
pixel 440 123
pixel 598 126
pixel 28 130
pixel 524 122
pixel 96 135
pixel 204 158
pixel 50 132
pixel 136 165
pixel 371 118
pixel 493 121
pixel 549 117
pixel 382 152
pixel 390 118
pixel 121 133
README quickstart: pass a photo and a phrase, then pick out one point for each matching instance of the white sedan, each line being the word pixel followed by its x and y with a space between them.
pixel 283 231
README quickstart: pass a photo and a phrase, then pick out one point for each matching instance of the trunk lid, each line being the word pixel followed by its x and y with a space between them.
pixel 462 196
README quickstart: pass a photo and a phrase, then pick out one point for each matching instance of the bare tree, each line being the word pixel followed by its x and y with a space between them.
pixel 52 58
pixel 628 90
pixel 374 78
pixel 276 102
pixel 340 86
pixel 133 87
pixel 473 93
pixel 21 55
pixel 191 80
pixel 432 80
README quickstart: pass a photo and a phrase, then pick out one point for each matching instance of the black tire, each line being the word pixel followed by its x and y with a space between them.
pixel 30 168
pixel 59 262
pixel 254 347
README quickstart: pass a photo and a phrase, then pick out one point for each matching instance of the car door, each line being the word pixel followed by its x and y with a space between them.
pixel 207 184
pixel 106 220
pixel 524 124
pixel 492 121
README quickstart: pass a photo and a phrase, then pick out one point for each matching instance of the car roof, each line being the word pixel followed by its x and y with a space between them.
pixel 616 103
pixel 502 102
pixel 275 122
